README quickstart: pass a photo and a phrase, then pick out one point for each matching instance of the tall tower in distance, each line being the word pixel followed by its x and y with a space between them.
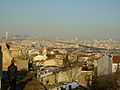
pixel 44 53
pixel 57 38
pixel 6 35
pixel 76 39
pixel 0 35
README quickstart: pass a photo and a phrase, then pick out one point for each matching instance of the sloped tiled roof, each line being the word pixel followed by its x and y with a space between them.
pixel 116 59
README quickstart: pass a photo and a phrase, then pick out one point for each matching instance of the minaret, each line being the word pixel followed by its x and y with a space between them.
pixel 44 53
pixel 57 38
pixel 76 39
pixel 76 42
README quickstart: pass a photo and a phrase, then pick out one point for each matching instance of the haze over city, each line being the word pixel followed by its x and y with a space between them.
pixel 60 44
pixel 64 18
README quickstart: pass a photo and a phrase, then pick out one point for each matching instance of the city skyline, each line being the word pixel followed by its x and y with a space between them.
pixel 65 19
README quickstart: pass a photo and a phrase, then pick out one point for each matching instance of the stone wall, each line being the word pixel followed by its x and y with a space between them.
pixel 6 56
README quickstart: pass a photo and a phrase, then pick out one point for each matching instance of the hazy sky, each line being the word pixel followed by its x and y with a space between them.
pixel 85 19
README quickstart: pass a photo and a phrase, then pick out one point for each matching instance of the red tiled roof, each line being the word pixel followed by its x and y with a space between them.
pixel 116 59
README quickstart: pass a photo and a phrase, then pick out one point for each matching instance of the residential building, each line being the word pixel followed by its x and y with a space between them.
pixel 115 63
pixel 104 65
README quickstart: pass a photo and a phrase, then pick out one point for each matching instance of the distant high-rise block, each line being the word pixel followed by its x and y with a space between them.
pixel 0 35
pixel 6 34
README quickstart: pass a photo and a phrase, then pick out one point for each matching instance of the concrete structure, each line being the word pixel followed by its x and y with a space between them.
pixel 6 56
pixel 44 53
pixel 33 52
pixel 38 58
pixel 64 76
pixel 53 62
pixel 59 55
pixel 115 63
pixel 15 52
pixel 6 35
pixel 104 65
pixel 0 35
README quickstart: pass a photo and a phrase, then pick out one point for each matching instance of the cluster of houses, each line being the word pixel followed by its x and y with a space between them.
pixel 59 65
pixel 89 63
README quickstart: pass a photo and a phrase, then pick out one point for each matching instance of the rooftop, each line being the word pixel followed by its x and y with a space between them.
pixel 116 59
